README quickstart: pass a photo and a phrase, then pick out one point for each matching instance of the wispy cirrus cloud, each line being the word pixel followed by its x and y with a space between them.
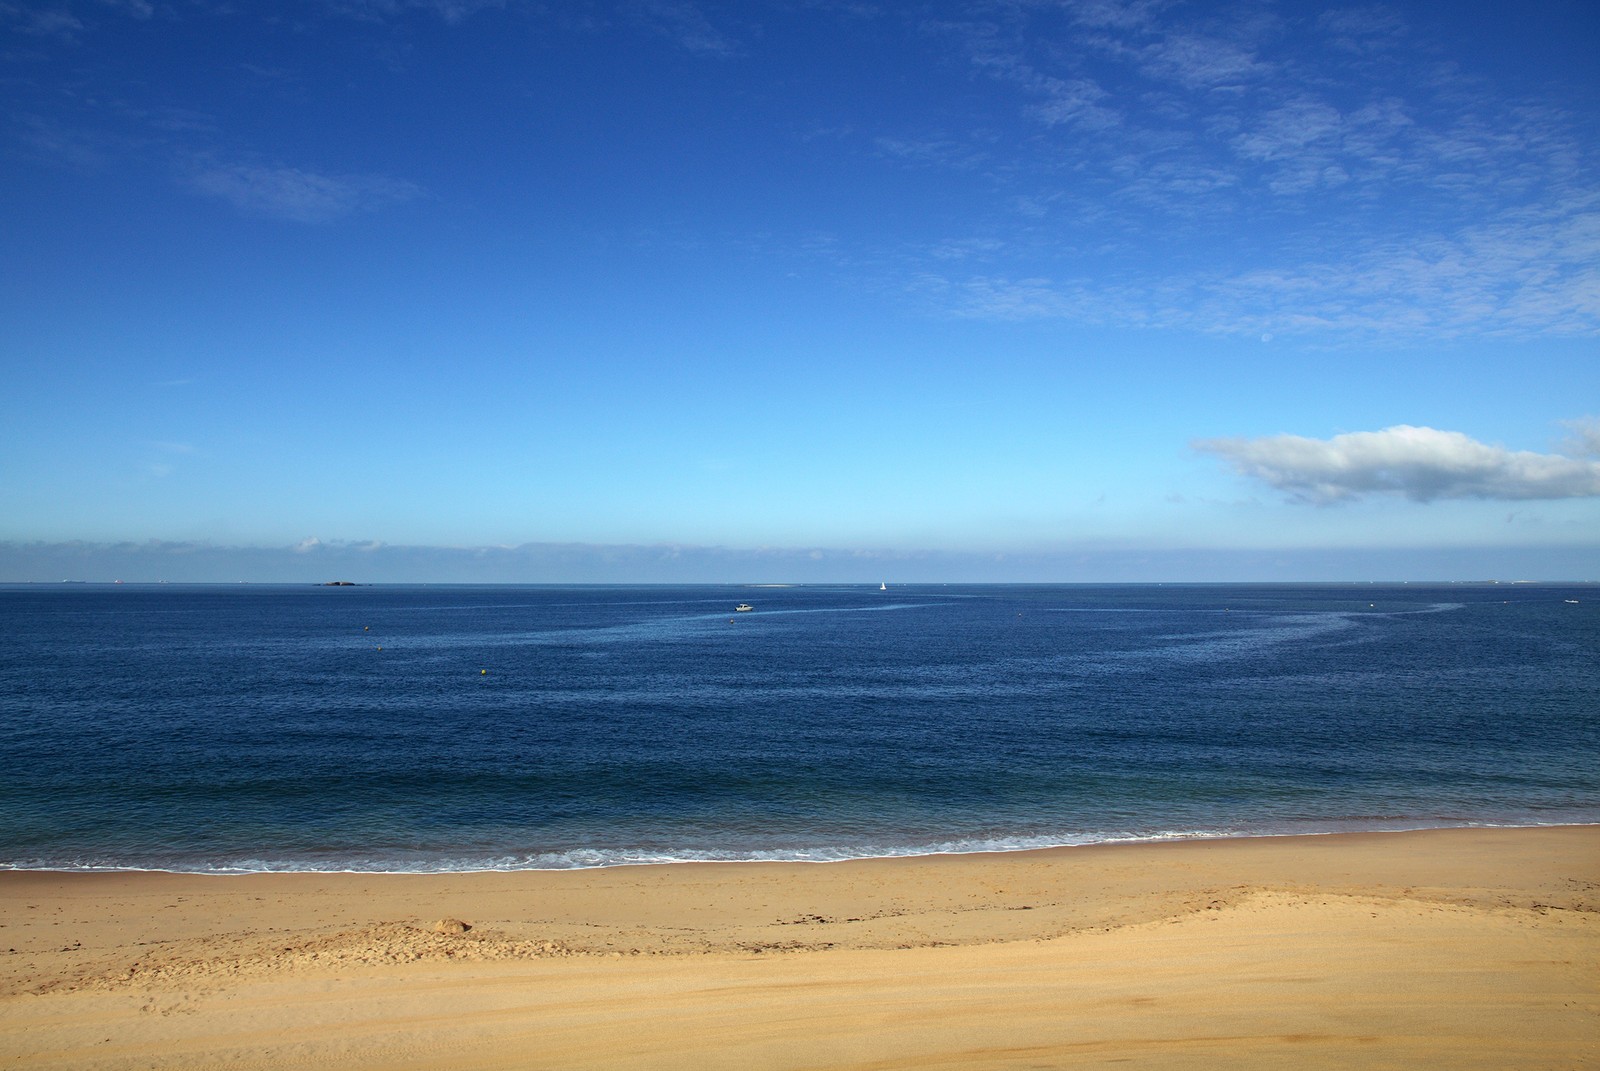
pixel 108 131
pixel 1362 29
pixel 299 195
pixel 273 191
pixel 57 144
pixel 40 21
pixel 450 11
pixel 1524 273
pixel 1583 439
pixel 686 25
pixel 1197 61
pixel 66 19
pixel 1251 171
pixel 163 458
pixel 937 151
pixel 1419 463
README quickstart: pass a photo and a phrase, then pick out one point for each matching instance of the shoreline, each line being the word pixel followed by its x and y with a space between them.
pixel 798 859
pixel 1461 947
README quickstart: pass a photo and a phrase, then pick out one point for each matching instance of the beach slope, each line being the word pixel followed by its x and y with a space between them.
pixel 1451 948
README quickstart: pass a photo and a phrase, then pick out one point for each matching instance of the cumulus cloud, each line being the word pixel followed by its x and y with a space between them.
pixel 1423 464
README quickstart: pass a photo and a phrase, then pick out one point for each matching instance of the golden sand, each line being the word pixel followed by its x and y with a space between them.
pixel 1448 949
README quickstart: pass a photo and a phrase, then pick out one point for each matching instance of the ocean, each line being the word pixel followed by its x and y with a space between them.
pixel 435 728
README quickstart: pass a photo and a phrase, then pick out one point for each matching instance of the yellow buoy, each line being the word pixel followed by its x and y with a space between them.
pixel 483 672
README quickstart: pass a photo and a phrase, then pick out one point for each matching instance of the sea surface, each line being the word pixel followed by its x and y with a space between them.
pixel 428 728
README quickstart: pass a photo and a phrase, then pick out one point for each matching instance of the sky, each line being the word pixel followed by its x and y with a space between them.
pixel 799 290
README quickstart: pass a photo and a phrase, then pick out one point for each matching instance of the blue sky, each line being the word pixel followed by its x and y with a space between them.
pixel 799 290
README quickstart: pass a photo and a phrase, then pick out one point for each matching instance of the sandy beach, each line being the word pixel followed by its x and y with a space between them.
pixel 1452 948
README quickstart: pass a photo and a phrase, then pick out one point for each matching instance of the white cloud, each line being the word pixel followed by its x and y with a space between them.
pixel 934 151
pixel 1118 14
pixel 687 26
pixel 1585 438
pixel 451 11
pixel 61 19
pixel 1196 61
pixel 42 21
pixel 302 196
pixel 1320 181
pixel 1290 130
pixel 1423 464
pixel 1362 29
pixel 1519 273
pixel 59 145
pixel 162 457
pixel 1075 102
pixel 997 298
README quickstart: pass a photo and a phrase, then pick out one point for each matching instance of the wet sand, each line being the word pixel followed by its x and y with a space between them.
pixel 1449 948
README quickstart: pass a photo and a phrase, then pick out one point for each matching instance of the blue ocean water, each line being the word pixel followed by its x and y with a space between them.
pixel 438 728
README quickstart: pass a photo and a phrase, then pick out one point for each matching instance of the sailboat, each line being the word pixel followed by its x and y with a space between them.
pixel 883 587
